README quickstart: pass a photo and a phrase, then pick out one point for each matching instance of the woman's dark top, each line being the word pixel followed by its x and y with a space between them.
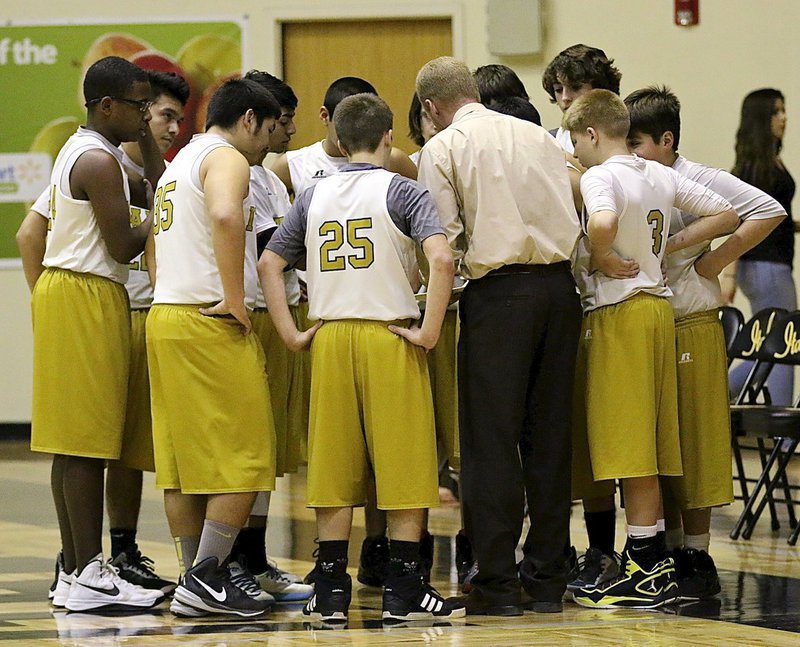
pixel 779 245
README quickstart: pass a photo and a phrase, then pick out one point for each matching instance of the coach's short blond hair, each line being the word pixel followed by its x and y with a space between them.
pixel 446 80
pixel 599 109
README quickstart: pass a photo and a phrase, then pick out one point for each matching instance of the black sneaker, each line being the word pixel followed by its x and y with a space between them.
pixel 138 569
pixel 208 587
pixel 697 574
pixel 409 597
pixel 374 561
pixel 311 578
pixel 59 568
pixel 331 599
pixel 594 567
pixel 466 565
pixel 426 555
pixel 637 586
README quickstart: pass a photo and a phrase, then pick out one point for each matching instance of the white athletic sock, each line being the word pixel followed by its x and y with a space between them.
pixel 698 542
pixel 674 538
pixel 642 532
pixel 660 526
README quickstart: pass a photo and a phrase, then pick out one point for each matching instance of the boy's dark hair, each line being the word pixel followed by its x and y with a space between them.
pixel 345 87
pixel 234 98
pixel 281 90
pixel 361 121
pixel 655 110
pixel 498 82
pixel 415 122
pixel 582 64
pixel 111 76
pixel 516 107
pixel 169 83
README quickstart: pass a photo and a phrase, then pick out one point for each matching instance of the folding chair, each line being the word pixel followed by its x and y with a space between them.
pixel 732 323
pixel 779 423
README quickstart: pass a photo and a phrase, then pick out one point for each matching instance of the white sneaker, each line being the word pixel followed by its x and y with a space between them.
pixel 297 579
pixel 244 581
pixel 182 610
pixel 99 586
pixel 281 587
pixel 61 592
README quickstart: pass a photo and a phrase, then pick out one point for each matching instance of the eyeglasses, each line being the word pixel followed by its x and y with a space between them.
pixel 142 104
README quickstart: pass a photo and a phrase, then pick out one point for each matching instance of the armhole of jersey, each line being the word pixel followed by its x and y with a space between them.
pixel 194 173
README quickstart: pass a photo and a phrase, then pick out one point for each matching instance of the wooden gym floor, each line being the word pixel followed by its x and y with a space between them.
pixel 759 604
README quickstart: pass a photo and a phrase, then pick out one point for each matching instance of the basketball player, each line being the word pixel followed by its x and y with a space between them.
pixel 82 325
pixel 211 458
pixel 703 405
pixel 371 406
pixel 272 204
pixel 299 170
pixel 124 477
pixel 631 396
pixel 571 74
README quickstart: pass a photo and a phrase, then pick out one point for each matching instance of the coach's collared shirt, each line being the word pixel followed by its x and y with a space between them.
pixel 502 191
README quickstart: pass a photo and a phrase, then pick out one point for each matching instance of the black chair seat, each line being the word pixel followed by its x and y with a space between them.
pixel 765 421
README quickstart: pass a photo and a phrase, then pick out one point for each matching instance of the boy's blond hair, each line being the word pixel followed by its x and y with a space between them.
pixel 599 109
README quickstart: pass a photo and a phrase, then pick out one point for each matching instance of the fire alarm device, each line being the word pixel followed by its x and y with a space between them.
pixel 687 12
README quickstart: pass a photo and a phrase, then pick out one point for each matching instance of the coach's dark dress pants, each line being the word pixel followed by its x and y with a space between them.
pixel 516 363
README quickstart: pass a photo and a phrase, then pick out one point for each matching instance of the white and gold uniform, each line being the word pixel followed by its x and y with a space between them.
pixel 703 401
pixel 81 325
pixel 272 203
pixel 628 334
pixel 360 267
pixel 310 164
pixel 212 421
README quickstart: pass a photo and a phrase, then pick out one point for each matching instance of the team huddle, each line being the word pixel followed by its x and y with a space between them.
pixel 563 282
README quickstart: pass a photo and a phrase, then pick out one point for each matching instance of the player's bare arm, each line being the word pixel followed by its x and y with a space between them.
pixel 401 163
pixel 440 260
pixel 270 272
pixel 225 177
pixel 602 230
pixel 575 184
pixel 280 167
pixel 97 177
pixel 705 228
pixel 31 239
pixel 747 235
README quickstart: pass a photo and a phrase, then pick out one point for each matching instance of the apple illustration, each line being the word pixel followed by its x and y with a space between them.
pixel 53 135
pixel 209 57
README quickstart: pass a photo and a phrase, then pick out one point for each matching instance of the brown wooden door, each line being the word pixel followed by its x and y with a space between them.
pixel 387 53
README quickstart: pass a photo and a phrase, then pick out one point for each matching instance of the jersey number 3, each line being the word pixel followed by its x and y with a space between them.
pixel 656 221
pixel 363 253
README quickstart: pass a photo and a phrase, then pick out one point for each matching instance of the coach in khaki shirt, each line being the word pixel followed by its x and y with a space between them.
pixel 501 187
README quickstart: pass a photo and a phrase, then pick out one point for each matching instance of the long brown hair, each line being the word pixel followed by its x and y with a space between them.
pixel 756 147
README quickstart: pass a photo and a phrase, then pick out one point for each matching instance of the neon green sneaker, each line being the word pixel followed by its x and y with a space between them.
pixel 634 588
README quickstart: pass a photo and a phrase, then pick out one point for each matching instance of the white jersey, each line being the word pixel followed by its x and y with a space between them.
pixel 691 292
pixel 414 157
pixel 186 267
pixel 359 264
pixel 309 165
pixel 140 292
pixel 74 241
pixel 642 193
pixel 564 140
pixel 272 203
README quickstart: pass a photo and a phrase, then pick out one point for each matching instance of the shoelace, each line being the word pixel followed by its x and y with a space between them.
pixel 243 580
pixel 275 573
pixel 142 565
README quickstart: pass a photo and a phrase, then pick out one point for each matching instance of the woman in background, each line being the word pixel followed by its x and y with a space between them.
pixel 764 274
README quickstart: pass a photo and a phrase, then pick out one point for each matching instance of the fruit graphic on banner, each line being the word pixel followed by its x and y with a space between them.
pixel 202 52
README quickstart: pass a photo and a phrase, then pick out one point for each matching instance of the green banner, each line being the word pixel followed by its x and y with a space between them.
pixel 41 73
